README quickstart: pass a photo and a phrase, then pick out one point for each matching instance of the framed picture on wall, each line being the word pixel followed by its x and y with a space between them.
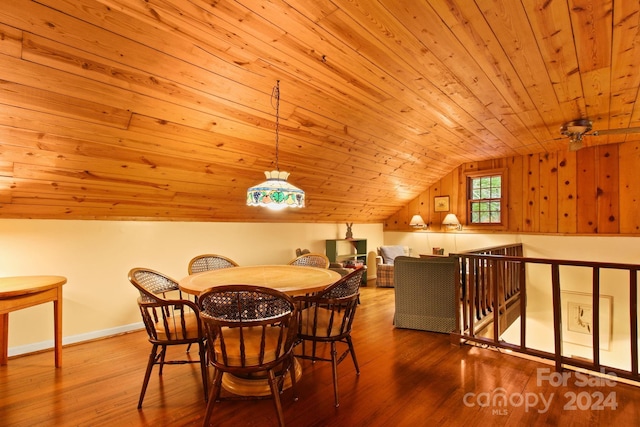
pixel 441 204
pixel 577 319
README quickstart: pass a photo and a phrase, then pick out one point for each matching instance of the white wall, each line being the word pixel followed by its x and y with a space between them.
pixel 578 280
pixel 422 242
pixel 96 256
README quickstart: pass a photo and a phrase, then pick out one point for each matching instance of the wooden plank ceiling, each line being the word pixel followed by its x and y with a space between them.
pixel 162 109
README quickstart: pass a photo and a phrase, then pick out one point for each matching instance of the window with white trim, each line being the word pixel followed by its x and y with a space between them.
pixel 485 199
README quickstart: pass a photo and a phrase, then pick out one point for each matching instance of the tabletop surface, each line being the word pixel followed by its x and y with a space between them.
pixel 23 285
pixel 290 279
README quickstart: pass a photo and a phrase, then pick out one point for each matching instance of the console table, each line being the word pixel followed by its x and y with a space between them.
pixel 21 292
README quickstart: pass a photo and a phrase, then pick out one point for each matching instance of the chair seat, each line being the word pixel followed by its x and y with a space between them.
pixel 322 325
pixel 173 330
pixel 252 343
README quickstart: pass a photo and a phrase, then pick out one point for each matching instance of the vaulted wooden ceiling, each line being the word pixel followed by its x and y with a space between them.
pixel 162 109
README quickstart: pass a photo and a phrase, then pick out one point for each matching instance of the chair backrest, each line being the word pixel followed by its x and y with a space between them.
pixel 152 285
pixel 348 285
pixel 328 315
pixel 311 260
pixel 208 262
pixel 249 328
pixel 166 320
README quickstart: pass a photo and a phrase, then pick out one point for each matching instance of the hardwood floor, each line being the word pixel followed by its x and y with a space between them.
pixel 408 378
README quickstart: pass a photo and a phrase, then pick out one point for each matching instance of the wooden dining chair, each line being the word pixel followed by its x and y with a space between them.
pixel 169 321
pixel 208 262
pixel 311 260
pixel 250 333
pixel 327 317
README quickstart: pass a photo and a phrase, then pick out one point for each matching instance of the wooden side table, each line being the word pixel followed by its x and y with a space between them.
pixel 21 292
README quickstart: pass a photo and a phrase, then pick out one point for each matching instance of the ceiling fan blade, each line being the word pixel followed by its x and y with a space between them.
pixel 615 131
pixel 575 145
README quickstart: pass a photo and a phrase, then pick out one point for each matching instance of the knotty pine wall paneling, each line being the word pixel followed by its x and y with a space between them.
pixel 629 159
pixel 586 177
pixel 608 192
pixel 548 193
pixel 567 193
pixel 436 217
pixel 590 191
pixel 515 202
pixel 531 193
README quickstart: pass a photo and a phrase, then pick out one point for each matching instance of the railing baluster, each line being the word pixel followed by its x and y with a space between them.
pixel 523 305
pixel 595 317
pixel 557 317
pixel 472 296
pixel 494 300
pixel 633 316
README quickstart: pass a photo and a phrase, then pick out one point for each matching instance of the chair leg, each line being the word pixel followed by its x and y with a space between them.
pixel 213 396
pixel 276 397
pixel 147 374
pixel 353 354
pixel 292 375
pixel 204 370
pixel 163 352
pixel 334 367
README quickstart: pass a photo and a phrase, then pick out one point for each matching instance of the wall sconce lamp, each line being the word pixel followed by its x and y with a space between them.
pixel 418 222
pixel 451 222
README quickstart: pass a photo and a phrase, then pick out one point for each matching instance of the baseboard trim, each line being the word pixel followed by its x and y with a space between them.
pixel 73 339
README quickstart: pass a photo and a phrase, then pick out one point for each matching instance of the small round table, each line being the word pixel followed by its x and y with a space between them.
pixel 290 279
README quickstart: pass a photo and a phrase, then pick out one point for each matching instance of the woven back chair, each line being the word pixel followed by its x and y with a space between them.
pixel 250 333
pixel 311 260
pixel 327 317
pixel 168 321
pixel 208 262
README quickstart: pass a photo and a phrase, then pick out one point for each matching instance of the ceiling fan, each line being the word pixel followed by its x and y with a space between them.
pixel 576 129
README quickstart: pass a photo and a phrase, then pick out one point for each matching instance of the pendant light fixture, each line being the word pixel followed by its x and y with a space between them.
pixel 276 192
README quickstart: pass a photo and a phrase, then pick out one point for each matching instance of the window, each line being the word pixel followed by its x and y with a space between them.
pixel 485 199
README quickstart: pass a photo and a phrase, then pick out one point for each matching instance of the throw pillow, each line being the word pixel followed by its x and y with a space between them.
pixel 389 253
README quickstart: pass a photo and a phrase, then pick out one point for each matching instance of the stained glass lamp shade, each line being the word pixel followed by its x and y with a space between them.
pixel 275 192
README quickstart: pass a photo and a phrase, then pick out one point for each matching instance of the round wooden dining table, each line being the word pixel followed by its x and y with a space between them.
pixel 291 279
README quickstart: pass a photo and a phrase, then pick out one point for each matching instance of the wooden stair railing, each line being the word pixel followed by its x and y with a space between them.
pixel 487 284
pixel 493 293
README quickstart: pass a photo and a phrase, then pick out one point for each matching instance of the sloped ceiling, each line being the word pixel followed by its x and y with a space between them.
pixel 163 109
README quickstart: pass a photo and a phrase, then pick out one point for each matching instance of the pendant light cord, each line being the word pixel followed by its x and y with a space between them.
pixel 275 94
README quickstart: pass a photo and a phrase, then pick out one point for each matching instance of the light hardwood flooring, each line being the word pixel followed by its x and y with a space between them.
pixel 408 378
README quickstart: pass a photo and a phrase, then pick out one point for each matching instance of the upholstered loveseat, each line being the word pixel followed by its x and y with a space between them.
pixel 384 264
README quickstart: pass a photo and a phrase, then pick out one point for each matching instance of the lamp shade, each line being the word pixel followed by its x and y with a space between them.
pixel 417 222
pixel 451 221
pixel 275 192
